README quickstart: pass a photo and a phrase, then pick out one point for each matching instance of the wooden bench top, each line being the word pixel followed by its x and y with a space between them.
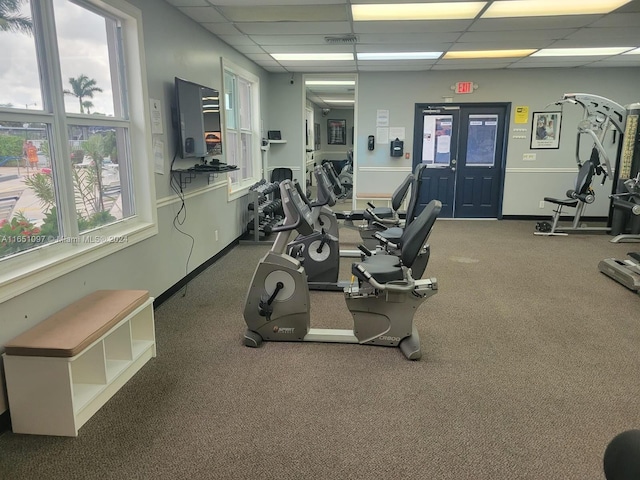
pixel 75 327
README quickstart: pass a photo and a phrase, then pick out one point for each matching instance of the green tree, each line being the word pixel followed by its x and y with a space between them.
pixel 10 18
pixel 88 105
pixel 82 87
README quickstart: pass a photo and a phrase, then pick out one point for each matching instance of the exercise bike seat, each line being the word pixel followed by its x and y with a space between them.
pixel 388 268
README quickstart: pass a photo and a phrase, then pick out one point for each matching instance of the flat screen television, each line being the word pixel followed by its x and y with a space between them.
pixel 198 118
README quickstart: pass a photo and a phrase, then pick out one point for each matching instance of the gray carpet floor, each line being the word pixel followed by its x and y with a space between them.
pixel 530 367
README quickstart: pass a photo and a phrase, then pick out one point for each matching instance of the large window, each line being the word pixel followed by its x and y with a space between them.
pixel 241 100
pixel 72 174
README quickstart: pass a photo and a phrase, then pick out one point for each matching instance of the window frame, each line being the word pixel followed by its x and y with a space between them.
pixel 31 268
pixel 241 188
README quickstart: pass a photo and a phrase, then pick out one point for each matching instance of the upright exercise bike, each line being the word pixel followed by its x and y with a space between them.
pixel 382 300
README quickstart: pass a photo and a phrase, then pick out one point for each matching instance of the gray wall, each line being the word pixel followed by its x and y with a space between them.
pixel 527 182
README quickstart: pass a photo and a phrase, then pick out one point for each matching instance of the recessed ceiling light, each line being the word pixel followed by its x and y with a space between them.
pixel 635 51
pixel 330 82
pixel 539 8
pixel 399 56
pixel 416 11
pixel 580 52
pixel 488 54
pixel 337 101
pixel 311 56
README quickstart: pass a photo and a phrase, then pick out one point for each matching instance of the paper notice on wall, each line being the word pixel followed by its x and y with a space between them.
pixel 382 135
pixel 443 143
pixel 522 114
pixel 158 156
pixel 156 117
pixel 396 132
pixel 382 118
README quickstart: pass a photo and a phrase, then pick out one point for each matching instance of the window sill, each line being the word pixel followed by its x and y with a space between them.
pixel 241 190
pixel 35 267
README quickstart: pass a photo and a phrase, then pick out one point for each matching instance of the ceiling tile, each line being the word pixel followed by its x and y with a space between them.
pixel 258 27
pixel 189 3
pixel 327 68
pixel 516 35
pixel 288 13
pixel 418 26
pixel 595 36
pixel 294 28
pixel 611 64
pixel 221 28
pixel 618 20
pixel 308 49
pixel 408 38
pixel 245 49
pixel 633 6
pixel 545 65
pixel 431 47
pixel 289 39
pixel 261 57
pixel 533 23
pixel 202 14
pixel 470 67
pixel 236 40
pixel 605 42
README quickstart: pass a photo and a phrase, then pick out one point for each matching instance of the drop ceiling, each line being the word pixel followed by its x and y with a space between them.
pixel 259 28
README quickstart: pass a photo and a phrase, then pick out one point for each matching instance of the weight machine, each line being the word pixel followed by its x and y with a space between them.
pixel 599 116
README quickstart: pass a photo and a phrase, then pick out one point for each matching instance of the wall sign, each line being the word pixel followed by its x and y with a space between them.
pixel 464 87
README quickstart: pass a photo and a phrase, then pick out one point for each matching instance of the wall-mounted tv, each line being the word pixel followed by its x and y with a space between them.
pixel 198 116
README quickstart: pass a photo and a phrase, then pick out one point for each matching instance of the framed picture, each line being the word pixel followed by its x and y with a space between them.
pixel 317 139
pixel 337 132
pixel 545 130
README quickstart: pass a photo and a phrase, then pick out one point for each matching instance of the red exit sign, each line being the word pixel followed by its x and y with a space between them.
pixel 464 87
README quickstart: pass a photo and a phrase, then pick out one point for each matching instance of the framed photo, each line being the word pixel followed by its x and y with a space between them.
pixel 337 132
pixel 545 130
pixel 318 138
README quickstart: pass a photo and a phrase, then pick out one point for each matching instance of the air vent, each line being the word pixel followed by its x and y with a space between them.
pixel 341 39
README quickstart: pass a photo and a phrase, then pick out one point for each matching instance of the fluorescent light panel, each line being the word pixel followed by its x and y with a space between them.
pixel 540 8
pixel 635 51
pixel 399 56
pixel 330 82
pixel 337 101
pixel 488 54
pixel 416 11
pixel 580 52
pixel 302 57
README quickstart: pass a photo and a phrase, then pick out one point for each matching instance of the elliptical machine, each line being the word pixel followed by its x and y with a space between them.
pixel 382 300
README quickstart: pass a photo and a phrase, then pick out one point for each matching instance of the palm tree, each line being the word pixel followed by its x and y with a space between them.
pixel 82 87
pixel 10 18
pixel 88 105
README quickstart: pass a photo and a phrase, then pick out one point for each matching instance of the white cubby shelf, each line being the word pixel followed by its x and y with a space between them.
pixel 57 395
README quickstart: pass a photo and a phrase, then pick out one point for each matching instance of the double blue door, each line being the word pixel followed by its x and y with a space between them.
pixel 463 148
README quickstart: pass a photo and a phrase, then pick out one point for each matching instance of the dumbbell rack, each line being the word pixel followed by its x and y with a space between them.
pixel 267 211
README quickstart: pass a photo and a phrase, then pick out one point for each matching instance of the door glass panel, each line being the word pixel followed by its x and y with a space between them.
pixel 481 140
pixel 436 140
